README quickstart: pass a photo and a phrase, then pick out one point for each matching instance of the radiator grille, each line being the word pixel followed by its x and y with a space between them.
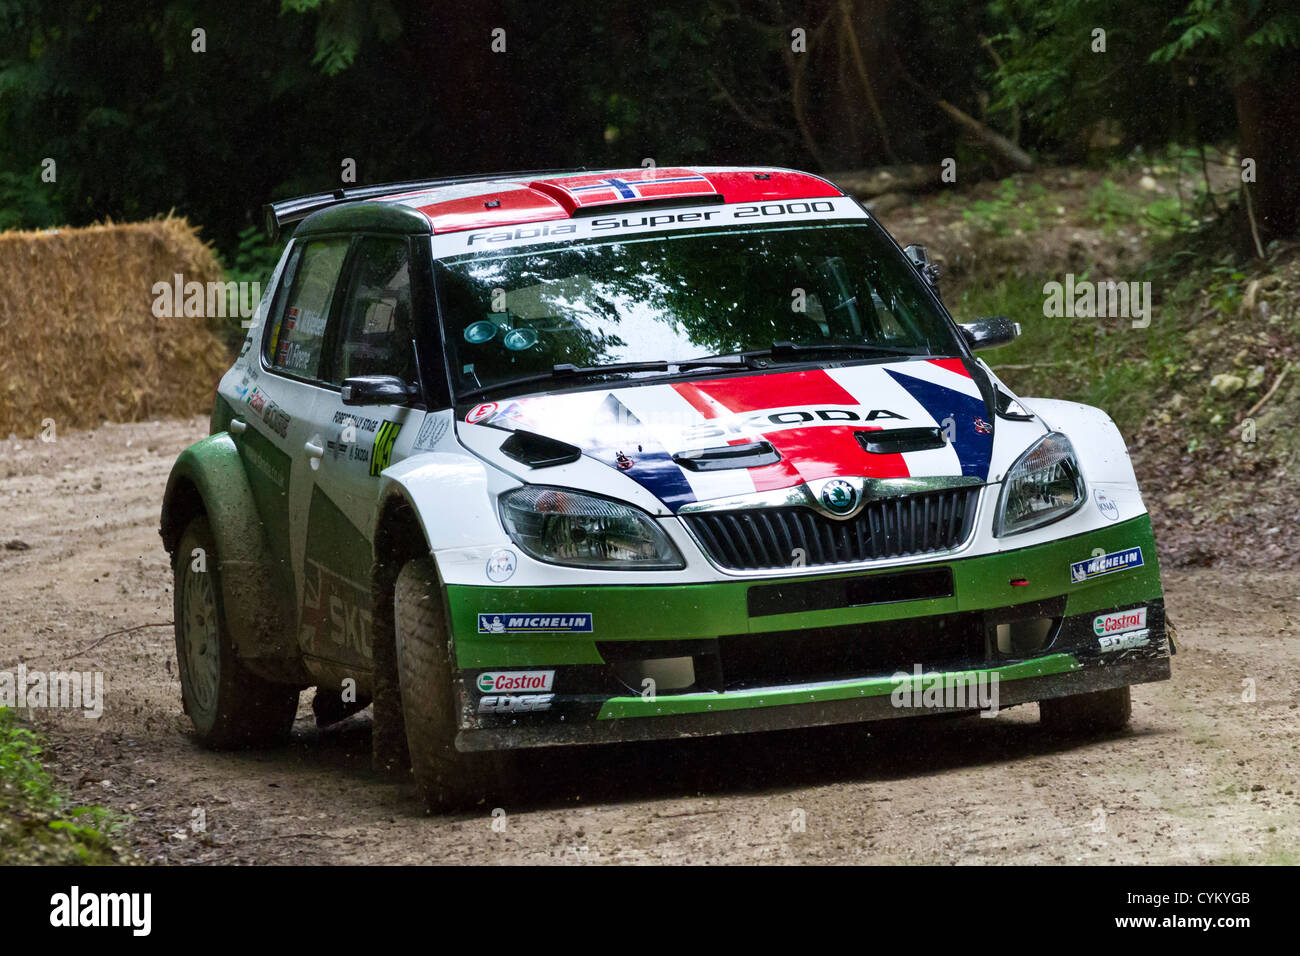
pixel 764 538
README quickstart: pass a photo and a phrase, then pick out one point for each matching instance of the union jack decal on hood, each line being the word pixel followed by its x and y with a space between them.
pixel 812 423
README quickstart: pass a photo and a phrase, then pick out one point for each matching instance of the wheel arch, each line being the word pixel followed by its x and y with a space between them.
pixel 208 478
pixel 399 536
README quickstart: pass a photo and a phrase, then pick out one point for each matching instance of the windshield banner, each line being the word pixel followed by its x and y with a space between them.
pixel 615 223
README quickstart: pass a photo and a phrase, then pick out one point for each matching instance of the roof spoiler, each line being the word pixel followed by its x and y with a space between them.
pixel 279 214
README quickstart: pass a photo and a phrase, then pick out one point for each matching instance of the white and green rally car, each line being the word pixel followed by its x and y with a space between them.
pixel 573 457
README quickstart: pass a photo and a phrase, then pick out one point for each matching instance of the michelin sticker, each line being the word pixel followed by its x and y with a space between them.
pixel 534 623
pixel 1105 564
pixel 1106 505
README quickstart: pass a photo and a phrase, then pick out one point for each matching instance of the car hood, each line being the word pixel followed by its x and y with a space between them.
pixel 733 435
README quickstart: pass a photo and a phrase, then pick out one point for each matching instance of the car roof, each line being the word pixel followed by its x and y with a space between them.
pixel 509 199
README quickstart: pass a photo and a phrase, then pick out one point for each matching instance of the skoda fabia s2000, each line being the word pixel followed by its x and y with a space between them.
pixel 576 457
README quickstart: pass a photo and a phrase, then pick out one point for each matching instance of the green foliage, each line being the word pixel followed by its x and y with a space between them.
pixel 254 260
pixel 140 123
pixel 1013 209
pixel 1239 37
pixel 1109 205
pixel 20 766
pixel 255 256
pixel 344 27
pixel 1082 98
pixel 38 824
pixel 1104 363
pixel 27 203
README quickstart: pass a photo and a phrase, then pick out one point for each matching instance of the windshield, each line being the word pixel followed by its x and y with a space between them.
pixel 679 296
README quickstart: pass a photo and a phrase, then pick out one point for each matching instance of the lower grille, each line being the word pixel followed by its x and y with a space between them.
pixel 936 642
pixel 952 641
pixel 765 538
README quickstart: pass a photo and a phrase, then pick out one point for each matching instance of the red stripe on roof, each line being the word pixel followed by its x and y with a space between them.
pixel 779 184
pixel 514 206
pixel 560 196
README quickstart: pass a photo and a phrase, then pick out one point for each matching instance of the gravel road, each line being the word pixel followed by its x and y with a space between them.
pixel 1202 775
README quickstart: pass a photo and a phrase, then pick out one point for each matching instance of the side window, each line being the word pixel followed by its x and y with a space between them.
pixel 376 326
pixel 298 338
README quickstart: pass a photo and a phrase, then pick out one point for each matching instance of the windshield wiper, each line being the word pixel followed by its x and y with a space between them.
pixel 736 360
pixel 784 349
pixel 746 360
pixel 569 371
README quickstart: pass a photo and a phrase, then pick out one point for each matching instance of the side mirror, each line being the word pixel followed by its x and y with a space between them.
pixel 920 259
pixel 377 390
pixel 989 333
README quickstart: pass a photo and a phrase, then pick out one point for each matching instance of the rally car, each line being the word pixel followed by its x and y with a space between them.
pixel 565 457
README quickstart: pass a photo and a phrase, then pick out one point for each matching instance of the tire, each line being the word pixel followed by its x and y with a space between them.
pixel 446 778
pixel 1099 712
pixel 229 705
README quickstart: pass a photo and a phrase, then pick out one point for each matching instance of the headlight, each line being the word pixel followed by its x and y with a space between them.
pixel 564 527
pixel 1044 485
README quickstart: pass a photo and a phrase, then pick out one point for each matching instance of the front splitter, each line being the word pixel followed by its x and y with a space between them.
pixel 813 713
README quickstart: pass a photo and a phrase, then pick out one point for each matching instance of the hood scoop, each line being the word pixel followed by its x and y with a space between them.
pixel 723 457
pixel 538 451
pixel 896 440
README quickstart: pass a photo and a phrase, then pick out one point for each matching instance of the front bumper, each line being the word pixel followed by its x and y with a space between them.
pixel 780 653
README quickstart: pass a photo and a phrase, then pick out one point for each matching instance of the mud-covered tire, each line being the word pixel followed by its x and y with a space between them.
pixel 230 706
pixel 1099 712
pixel 446 778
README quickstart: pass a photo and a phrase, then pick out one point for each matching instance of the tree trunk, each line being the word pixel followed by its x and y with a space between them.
pixel 1268 121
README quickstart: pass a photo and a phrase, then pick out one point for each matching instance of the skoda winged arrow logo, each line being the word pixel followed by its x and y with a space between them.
pixel 839 497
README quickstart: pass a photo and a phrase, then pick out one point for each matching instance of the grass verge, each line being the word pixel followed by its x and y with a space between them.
pixel 38 823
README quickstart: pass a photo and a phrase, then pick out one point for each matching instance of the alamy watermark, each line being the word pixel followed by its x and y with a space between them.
pixel 1085 299
pixel 205 300
pixel 66 690
pixel 133 911
pixel 931 690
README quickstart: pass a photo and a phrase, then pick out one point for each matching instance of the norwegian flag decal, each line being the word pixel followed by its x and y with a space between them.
pixel 652 184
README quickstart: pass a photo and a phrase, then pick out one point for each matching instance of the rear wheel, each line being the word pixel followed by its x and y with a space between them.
pixel 229 705
pixel 1098 712
pixel 446 778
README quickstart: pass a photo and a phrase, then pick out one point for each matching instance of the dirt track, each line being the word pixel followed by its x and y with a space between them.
pixel 1201 776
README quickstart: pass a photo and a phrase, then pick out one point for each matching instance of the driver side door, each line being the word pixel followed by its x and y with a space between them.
pixel 373 336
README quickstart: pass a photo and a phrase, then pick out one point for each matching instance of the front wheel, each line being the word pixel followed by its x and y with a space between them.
pixel 446 778
pixel 1098 712
pixel 229 705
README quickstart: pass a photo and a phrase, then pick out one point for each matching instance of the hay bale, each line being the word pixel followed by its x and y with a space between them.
pixel 79 342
